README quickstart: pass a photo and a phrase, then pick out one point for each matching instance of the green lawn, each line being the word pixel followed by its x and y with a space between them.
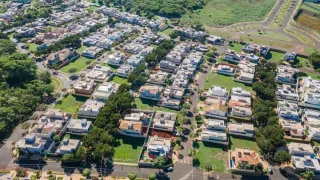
pixel 92 8
pixel 251 144
pixel 79 64
pixel 150 105
pixel 119 80
pixel 127 149
pixel 208 153
pixel 32 47
pixel 314 75
pixel 266 41
pixel 60 178
pixel 81 49
pixel 167 31
pixel 70 104
pixel 236 47
pixel 274 57
pixel 219 33
pixel 271 35
pixel 56 83
pixel 225 81
pixel 221 13
pixel 309 51
pixel 303 61
pixel 304 39
pixel 33 177
pixel 11 35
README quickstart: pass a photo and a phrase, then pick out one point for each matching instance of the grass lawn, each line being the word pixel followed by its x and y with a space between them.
pixel 271 35
pixel 79 64
pixel 150 105
pixel 225 81
pixel 92 8
pixel 60 178
pixel 221 13
pixel 219 33
pixel 314 75
pixel 81 49
pixel 113 68
pixel 251 144
pixel 266 41
pixel 70 104
pixel 236 47
pixel 274 57
pixel 303 61
pixel 208 153
pixel 32 47
pixel 167 31
pixel 33 177
pixel 119 80
pixel 309 51
pixel 11 35
pixel 127 149
pixel 56 83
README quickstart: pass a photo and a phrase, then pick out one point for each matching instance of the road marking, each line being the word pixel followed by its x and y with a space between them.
pixel 185 177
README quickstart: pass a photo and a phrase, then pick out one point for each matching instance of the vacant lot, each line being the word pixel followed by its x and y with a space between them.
pixel 281 15
pixel 274 57
pixel 149 105
pixel 304 39
pixel 225 81
pixel 221 13
pixel 236 142
pixel 312 22
pixel 70 104
pixel 79 64
pixel 236 47
pixel 119 80
pixel 127 149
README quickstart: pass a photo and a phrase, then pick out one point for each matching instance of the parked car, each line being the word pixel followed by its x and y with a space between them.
pixel 74 77
pixel 170 169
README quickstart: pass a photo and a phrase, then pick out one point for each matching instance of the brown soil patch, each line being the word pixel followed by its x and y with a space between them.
pixel 312 22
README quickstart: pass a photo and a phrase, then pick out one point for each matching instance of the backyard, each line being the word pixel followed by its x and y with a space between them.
pixel 150 105
pixel 236 142
pixel 79 64
pixel 224 81
pixel 119 80
pixel 219 13
pixel 70 103
pixel 127 149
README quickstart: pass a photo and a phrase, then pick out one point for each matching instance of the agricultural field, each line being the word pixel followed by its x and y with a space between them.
pixel 281 15
pixel 220 13
pixel 312 22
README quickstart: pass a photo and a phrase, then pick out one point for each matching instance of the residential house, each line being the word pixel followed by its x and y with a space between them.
pixel 158 77
pixel 312 97
pixel 133 48
pixel 241 157
pixel 218 91
pixel 124 70
pixel 288 105
pixel 290 56
pixel 287 92
pixel 90 109
pixel 68 146
pixel 245 77
pixel 216 124
pixel 151 92
pixel 226 70
pixel 288 113
pixel 202 48
pixel 216 111
pixel 61 58
pixel 135 60
pixel 100 73
pixel 252 58
pixel 158 146
pixel 164 121
pixel 91 52
pixel 134 122
pixel 84 87
pixel 241 129
pixel 239 101
pixel 292 128
pixel 237 91
pixel 232 56
pixel 286 74
pixel 241 111
pixel 31 144
pixel 167 66
pixel 79 126
pixel 105 90
pixel 116 59
pixel 24 32
pixel 218 137
pixel 311 119
pixel 215 40
pixel 130 128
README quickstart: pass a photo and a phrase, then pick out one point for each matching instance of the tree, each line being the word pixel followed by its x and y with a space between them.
pixel 82 153
pixel 86 172
pixel 68 158
pixel 152 176
pixel 72 70
pixel 21 172
pixel 132 176
pixel 315 58
pixel 208 167
pixel 159 162
pixel 56 138
pixel 282 156
pixel 38 174
pixel 308 175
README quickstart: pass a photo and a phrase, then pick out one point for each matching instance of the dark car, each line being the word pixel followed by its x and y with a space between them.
pixel 74 77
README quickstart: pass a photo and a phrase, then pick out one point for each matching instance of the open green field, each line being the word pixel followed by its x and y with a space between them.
pixel 32 47
pixel 127 149
pixel 224 81
pixel 221 13
pixel 56 83
pixel 236 142
pixel 119 80
pixel 236 47
pixel 270 35
pixel 70 104
pixel 208 153
pixel 79 64
pixel 274 57
pixel 315 7
pixel 266 41
pixel 219 33
pixel 149 105
pixel 167 31
pixel 281 14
